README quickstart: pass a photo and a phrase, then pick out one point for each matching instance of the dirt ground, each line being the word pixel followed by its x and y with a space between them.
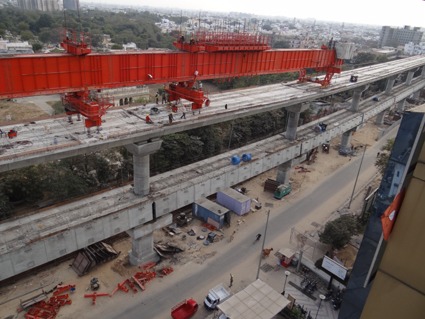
pixel 116 271
pixel 11 112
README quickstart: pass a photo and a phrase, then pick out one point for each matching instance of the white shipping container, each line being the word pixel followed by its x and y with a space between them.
pixel 234 201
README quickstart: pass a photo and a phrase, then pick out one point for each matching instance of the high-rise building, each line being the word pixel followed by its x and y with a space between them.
pixel 71 4
pixel 393 37
pixel 387 280
pixel 41 5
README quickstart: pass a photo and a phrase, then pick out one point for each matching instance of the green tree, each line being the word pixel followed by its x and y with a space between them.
pixel 44 21
pixel 267 27
pixel 382 158
pixel 364 58
pixel 23 26
pixel 5 205
pixel 282 44
pixel 27 35
pixel 37 46
pixel 338 232
pixel 25 184
pixel 117 47
pixel 64 183
pixel 381 58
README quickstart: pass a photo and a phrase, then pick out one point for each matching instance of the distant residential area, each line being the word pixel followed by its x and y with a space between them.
pixel 29 26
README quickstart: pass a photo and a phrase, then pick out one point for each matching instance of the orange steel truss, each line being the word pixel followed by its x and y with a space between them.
pixel 206 56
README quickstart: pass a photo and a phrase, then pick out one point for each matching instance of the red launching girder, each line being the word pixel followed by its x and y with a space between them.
pixel 36 74
pixel 209 57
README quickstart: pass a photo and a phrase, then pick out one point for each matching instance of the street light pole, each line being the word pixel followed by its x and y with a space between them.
pixel 322 297
pixel 357 177
pixel 287 273
pixel 262 247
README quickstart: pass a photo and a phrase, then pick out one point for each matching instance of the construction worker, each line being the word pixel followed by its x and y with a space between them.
pixel 184 112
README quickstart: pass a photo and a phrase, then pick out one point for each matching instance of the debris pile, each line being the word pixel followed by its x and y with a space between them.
pixel 50 308
pixel 139 279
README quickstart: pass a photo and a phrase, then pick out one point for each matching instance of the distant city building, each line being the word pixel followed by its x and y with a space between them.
pixel 392 37
pixel 41 5
pixel 414 49
pixel 71 4
pixel 7 47
pixel 131 46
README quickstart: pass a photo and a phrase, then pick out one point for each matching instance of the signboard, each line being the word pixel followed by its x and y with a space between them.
pixel 333 267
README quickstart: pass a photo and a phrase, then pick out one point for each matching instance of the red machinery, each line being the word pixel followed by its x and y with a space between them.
pixel 79 73
pixel 185 309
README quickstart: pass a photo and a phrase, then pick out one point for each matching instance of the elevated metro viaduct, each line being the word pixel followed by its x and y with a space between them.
pixel 34 240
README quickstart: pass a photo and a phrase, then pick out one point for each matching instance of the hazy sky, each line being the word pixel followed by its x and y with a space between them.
pixel 377 12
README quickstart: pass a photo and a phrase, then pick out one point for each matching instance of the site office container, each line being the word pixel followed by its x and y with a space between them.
pixel 234 201
pixel 211 212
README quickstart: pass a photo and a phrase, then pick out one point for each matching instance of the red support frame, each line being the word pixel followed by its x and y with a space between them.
pixel 209 56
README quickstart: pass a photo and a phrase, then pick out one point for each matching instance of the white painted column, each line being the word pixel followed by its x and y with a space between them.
pixel 141 152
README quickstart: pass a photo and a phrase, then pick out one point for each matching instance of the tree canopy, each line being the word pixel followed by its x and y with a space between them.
pixel 338 232
pixel 122 27
pixel 383 156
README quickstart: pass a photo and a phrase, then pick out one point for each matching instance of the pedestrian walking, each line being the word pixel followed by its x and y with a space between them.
pixel 225 106
pixel 231 280
pixel 184 112
pixel 170 118
pixel 157 98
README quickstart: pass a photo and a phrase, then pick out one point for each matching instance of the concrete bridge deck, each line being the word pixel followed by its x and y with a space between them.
pixel 54 139
pixel 33 240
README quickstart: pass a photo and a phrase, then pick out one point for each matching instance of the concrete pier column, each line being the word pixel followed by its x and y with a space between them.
pixel 141 152
pixel 417 94
pixel 400 106
pixel 293 118
pixel 284 172
pixel 355 101
pixel 390 85
pixel 410 77
pixel 380 118
pixel 345 147
pixel 142 241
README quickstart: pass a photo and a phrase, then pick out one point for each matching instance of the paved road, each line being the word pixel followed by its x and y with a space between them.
pixel 198 279
pixel 41 102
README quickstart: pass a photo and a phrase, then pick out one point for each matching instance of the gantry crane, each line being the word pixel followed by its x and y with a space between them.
pixel 79 72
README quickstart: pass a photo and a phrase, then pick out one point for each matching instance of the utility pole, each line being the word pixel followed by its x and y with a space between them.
pixel 357 177
pixel 262 247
